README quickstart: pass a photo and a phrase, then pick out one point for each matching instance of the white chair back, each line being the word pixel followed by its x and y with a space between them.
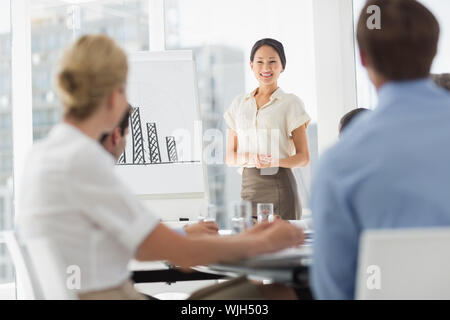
pixel 404 264
pixel 49 269
pixel 27 285
pixel 40 273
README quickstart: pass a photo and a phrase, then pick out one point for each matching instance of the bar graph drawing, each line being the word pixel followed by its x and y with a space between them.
pixel 122 159
pixel 136 136
pixel 164 145
pixel 171 149
pixel 152 154
pixel 153 144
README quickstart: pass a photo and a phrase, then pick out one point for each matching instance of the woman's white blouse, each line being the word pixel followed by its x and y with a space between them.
pixel 269 129
pixel 71 195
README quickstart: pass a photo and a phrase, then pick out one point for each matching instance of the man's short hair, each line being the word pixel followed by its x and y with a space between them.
pixel 442 80
pixel 406 44
pixel 349 116
pixel 123 124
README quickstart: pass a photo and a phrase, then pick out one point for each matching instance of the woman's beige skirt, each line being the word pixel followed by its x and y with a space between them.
pixel 272 186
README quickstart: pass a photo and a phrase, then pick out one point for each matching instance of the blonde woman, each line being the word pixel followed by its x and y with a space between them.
pixel 73 197
pixel 267 129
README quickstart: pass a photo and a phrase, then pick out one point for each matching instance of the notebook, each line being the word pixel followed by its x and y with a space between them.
pixel 287 258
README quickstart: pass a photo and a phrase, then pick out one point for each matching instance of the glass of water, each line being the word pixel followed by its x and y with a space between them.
pixel 265 212
pixel 209 213
pixel 241 216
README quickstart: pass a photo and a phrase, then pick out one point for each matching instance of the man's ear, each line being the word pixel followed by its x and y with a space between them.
pixel 364 58
pixel 115 136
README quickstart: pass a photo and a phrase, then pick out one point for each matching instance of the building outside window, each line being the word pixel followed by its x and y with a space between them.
pixel 55 24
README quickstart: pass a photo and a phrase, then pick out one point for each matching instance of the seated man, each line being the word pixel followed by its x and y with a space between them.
pixel 390 169
pixel 115 143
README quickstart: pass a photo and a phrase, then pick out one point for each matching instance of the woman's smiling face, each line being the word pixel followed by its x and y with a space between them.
pixel 266 65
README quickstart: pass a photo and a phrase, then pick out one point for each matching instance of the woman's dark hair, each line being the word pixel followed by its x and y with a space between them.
pixel 442 80
pixel 348 117
pixel 274 44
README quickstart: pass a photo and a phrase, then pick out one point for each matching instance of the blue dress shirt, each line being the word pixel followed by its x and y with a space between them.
pixel 390 169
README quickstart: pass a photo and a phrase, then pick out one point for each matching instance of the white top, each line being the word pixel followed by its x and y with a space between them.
pixel 71 195
pixel 269 129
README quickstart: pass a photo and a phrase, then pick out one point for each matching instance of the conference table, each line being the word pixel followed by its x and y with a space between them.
pixel 289 266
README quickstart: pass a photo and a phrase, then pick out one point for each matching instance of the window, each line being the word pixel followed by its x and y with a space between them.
pixel 441 9
pixel 56 23
pixel 221 34
pixel 6 150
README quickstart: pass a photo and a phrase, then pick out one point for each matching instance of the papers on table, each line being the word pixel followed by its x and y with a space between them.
pixel 286 258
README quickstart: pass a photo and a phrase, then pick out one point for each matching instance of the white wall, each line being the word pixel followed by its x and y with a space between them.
pixel 171 209
pixel 334 66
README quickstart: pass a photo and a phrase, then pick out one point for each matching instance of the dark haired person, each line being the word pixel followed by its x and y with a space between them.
pixel 267 129
pixel 442 80
pixel 393 172
pixel 349 117
pixel 115 142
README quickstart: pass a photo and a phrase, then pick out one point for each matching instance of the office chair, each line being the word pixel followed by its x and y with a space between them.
pixel 404 264
pixel 39 271
pixel 49 269
pixel 27 286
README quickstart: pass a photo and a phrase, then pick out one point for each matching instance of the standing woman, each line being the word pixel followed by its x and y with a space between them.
pixel 268 130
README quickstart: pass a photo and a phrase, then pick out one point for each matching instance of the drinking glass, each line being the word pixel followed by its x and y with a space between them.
pixel 265 212
pixel 241 216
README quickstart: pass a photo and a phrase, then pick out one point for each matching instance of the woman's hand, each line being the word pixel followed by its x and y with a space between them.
pixel 264 161
pixel 276 235
pixel 282 235
pixel 201 228
pixel 252 158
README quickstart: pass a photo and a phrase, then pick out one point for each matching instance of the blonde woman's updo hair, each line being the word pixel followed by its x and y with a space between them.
pixel 90 69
